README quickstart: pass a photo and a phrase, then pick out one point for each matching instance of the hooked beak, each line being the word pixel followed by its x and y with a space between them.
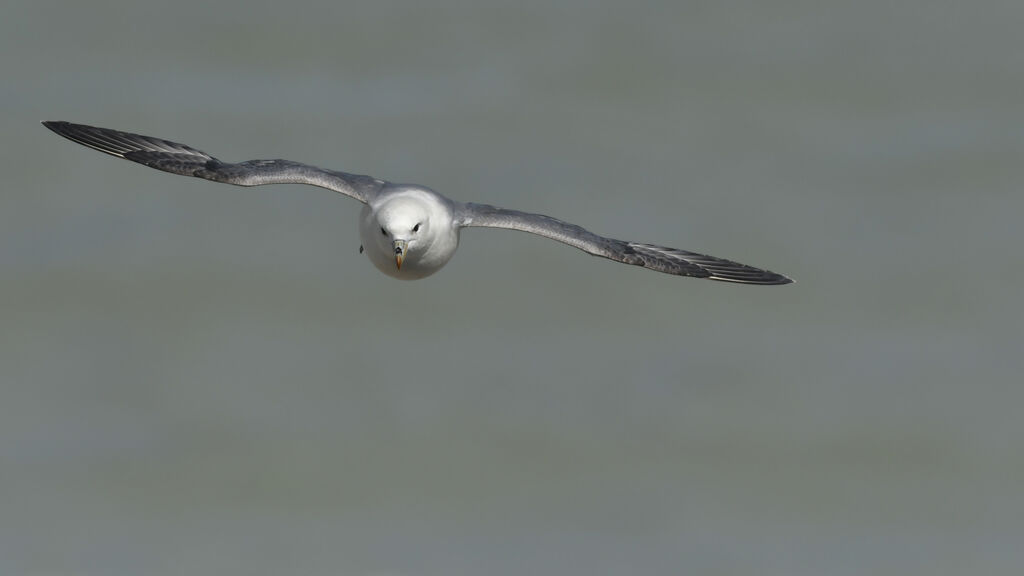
pixel 401 246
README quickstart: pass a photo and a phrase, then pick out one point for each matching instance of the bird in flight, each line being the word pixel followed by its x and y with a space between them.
pixel 408 231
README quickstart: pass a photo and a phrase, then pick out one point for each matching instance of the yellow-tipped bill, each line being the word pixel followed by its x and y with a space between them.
pixel 400 248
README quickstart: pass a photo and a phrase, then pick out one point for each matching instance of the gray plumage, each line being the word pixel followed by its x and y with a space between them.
pixel 181 159
pixel 650 256
pixel 187 161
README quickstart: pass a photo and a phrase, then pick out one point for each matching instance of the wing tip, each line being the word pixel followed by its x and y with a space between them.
pixel 54 125
pixel 769 281
pixel 69 130
pixel 764 278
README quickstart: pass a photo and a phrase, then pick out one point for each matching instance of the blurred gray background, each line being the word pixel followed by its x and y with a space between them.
pixel 203 379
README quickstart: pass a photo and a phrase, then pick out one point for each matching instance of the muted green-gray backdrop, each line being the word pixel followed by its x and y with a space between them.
pixel 202 379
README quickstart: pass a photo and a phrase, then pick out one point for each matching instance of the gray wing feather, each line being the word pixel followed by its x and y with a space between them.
pixel 658 258
pixel 181 159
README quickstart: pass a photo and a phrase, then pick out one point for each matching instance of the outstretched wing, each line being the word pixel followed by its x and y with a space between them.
pixel 187 161
pixel 659 258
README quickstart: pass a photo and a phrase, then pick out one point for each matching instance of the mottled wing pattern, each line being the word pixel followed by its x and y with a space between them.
pixel 659 258
pixel 187 161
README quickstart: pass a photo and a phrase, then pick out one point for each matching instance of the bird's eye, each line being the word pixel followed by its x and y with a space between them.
pixel 383 231
pixel 416 228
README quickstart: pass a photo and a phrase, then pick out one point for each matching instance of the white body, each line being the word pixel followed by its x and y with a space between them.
pixel 419 217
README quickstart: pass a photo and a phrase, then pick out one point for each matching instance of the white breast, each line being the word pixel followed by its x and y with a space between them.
pixel 398 210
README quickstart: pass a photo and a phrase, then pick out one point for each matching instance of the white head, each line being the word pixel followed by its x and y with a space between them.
pixel 403 225
pixel 409 235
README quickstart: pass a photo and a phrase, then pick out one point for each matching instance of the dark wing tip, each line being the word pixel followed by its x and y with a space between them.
pixel 729 271
pixel 104 140
pixel 55 125
pixel 684 263
pixel 762 278
pixel 153 152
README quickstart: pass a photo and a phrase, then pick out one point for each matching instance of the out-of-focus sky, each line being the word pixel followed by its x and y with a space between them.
pixel 203 379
